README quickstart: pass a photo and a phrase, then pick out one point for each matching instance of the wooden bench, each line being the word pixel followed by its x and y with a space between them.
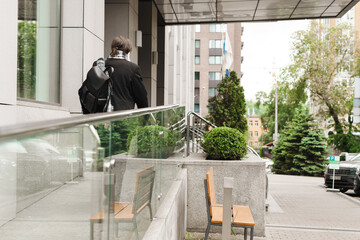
pixel 127 212
pixel 241 215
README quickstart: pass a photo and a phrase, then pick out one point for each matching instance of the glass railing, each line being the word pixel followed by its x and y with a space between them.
pixel 99 176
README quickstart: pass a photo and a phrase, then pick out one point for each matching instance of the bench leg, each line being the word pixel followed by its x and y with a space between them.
pixel 151 218
pixel 91 231
pixel 245 233
pixel 207 231
pixel 136 230
pixel 252 233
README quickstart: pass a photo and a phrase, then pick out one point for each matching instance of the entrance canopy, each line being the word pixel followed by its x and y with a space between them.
pixel 212 11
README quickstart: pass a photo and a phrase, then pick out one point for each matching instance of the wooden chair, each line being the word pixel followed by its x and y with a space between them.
pixel 127 212
pixel 241 215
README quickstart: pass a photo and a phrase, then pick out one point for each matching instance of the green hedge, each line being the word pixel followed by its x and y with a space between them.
pixel 224 143
pixel 151 142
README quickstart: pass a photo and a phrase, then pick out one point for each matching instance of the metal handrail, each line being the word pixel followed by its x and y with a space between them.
pixel 23 130
pixel 194 133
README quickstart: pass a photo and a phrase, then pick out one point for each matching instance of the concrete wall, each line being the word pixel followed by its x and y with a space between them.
pixel 249 189
pixel 170 221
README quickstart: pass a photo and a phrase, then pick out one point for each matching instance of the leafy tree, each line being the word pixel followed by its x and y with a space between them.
pixel 287 106
pixel 228 107
pixel 301 149
pixel 323 61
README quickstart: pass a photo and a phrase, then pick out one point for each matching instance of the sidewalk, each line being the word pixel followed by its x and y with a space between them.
pixel 301 209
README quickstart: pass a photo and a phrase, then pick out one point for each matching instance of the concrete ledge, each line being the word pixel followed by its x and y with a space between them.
pixel 169 221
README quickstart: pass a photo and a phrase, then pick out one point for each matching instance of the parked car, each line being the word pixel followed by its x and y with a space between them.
pixel 345 176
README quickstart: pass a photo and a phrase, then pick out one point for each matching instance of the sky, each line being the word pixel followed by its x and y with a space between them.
pixel 267 49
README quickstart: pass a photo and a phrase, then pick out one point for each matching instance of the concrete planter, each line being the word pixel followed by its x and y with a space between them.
pixel 249 188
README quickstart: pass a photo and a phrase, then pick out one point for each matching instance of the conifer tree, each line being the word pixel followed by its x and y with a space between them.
pixel 301 149
pixel 228 107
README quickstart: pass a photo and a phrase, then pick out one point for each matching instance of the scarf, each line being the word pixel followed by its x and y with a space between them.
pixel 121 55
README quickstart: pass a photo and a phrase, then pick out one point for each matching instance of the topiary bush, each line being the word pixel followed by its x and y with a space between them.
pixel 224 143
pixel 151 142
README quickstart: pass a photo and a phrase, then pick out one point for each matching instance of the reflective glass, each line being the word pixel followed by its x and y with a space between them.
pixel 39 50
pixel 83 182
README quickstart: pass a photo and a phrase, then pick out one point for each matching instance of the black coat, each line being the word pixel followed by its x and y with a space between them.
pixel 128 88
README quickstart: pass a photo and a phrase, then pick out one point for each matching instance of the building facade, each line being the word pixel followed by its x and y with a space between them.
pixel 209 39
pixel 255 131
pixel 50 45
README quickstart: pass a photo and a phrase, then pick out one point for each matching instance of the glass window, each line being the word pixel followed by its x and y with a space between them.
pixel 250 123
pixel 256 123
pixel 250 134
pixel 197 75
pixel 256 133
pixel 218 27
pixel 197 28
pixel 196 108
pixel 38 54
pixel 197 60
pixel 215 59
pixel 211 92
pixel 214 76
pixel 215 43
pixel 197 43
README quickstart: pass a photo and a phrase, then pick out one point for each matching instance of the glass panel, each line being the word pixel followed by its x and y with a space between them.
pixel 197 43
pixel 197 28
pixel 39 50
pixel 197 108
pixel 197 60
pixel 214 76
pixel 211 92
pixel 76 182
pixel 197 75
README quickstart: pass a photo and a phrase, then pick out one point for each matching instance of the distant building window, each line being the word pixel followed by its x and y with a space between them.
pixel 197 43
pixel 215 43
pixel 214 76
pixel 197 60
pixel 211 92
pixel 250 123
pixel 218 27
pixel 215 60
pixel 250 134
pixel 197 75
pixel 196 108
pixel 256 123
pixel 256 133
pixel 197 28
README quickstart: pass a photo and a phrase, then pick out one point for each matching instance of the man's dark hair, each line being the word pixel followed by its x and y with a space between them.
pixel 120 43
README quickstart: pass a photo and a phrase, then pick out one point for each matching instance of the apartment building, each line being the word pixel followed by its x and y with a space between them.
pixel 255 131
pixel 209 39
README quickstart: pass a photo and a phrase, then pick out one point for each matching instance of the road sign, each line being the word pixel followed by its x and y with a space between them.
pixel 334 162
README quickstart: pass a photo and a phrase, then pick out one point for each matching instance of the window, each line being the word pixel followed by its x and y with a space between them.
pixel 197 75
pixel 256 133
pixel 250 123
pixel 215 44
pixel 197 43
pixel 215 59
pixel 38 70
pixel 214 76
pixel 211 92
pixel 250 133
pixel 218 27
pixel 197 60
pixel 256 123
pixel 196 108
pixel 197 28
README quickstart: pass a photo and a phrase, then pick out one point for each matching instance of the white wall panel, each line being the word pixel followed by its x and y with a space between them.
pixel 72 68
pixel 94 17
pixel 8 49
pixel 73 13
pixel 93 49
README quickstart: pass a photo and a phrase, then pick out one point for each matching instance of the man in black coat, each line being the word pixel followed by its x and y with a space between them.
pixel 128 88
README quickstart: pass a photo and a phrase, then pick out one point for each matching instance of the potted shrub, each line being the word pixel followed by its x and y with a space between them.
pixel 151 142
pixel 224 143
